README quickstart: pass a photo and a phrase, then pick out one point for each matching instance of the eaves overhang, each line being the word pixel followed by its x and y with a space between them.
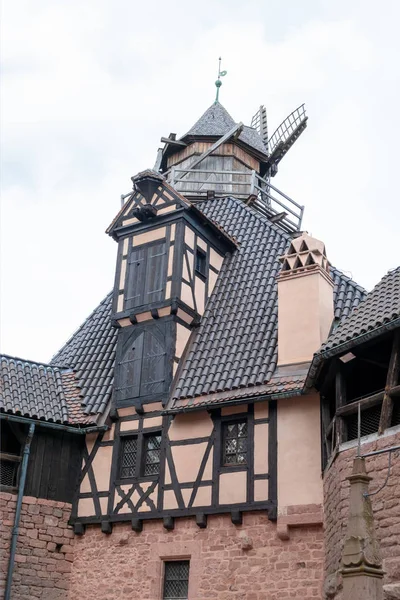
pixel 320 357
pixel 211 405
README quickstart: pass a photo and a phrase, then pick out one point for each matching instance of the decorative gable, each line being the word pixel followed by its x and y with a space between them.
pixel 152 197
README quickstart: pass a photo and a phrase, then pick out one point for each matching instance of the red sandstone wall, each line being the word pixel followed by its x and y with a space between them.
pixel 246 562
pixel 44 556
pixel 386 505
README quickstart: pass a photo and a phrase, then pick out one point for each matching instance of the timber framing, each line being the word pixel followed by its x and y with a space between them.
pixel 140 498
pixel 339 413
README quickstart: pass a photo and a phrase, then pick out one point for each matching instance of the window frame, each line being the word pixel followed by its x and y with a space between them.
pixel 203 254
pixel 140 436
pixel 228 420
pixel 168 561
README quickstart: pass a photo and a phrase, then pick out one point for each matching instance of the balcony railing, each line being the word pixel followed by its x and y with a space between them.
pixel 196 184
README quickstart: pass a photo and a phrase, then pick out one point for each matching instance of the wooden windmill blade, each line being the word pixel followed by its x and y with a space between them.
pixel 285 136
pixel 259 122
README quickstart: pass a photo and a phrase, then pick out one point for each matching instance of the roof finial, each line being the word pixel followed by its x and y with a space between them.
pixel 218 83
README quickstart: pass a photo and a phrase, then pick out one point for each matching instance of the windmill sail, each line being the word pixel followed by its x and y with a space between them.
pixel 259 122
pixel 286 134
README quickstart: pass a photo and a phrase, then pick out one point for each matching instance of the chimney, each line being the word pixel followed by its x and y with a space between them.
pixel 305 300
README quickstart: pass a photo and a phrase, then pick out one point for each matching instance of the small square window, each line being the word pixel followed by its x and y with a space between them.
pixel 128 457
pixel 152 447
pixel 235 443
pixel 201 262
pixel 176 580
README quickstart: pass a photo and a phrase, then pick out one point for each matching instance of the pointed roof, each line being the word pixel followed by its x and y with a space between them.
pixel 216 121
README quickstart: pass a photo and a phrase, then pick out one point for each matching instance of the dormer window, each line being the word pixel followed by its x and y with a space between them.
pixel 201 262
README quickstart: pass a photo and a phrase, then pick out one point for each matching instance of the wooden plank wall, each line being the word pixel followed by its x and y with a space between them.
pixel 54 465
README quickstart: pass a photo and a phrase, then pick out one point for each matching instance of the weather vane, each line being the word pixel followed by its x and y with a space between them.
pixel 218 83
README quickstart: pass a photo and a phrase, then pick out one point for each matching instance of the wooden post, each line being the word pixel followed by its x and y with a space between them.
pixel 391 381
pixel 172 181
pixel 361 562
pixel 340 398
pixel 253 183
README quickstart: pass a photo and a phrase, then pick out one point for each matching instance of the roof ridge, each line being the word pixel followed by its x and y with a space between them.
pixel 31 362
pixel 81 326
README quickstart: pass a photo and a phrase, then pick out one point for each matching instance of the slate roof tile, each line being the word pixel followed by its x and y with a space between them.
pixel 235 348
pixel 381 306
pixel 236 344
pixel 216 121
pixel 38 391
pixel 90 352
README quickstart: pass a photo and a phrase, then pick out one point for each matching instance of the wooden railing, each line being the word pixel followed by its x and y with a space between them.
pixel 258 192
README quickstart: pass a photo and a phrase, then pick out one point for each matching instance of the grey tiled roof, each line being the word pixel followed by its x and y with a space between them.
pixel 216 121
pixel 236 343
pixel 32 390
pixel 380 307
pixel 90 352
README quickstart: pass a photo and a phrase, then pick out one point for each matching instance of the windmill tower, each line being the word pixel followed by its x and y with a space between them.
pixel 219 157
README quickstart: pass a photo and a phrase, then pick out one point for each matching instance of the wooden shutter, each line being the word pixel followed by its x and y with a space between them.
pixel 146 277
pixel 155 280
pixel 154 363
pixel 129 369
pixel 135 278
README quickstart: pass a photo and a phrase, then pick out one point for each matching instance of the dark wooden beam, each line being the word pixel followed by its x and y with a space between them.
pixel 236 517
pixel 201 520
pixel 166 140
pixel 169 523
pixel 391 381
pixel 367 402
pixel 137 525
pixel 79 528
pixel 106 527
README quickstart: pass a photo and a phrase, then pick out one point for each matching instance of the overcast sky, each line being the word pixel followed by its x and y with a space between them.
pixel 89 86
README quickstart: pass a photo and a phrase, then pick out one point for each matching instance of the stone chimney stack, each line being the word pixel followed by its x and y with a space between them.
pixel 305 300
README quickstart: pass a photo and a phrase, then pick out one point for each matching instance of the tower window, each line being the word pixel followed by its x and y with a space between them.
pixel 201 262
pixel 152 445
pixel 235 443
pixel 128 457
pixel 176 580
pixel 140 456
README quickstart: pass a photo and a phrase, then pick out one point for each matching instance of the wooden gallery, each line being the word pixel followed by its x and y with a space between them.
pixel 211 429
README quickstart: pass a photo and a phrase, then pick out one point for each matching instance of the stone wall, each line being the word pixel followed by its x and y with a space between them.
pixel 386 506
pixel 245 562
pixel 43 560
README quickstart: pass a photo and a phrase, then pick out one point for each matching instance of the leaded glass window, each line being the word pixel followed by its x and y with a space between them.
pixel 176 580
pixel 235 443
pixel 128 457
pixel 152 454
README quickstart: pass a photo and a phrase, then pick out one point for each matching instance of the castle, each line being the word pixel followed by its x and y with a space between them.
pixel 194 437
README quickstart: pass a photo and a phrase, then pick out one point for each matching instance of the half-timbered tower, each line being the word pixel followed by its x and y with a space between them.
pixel 204 378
